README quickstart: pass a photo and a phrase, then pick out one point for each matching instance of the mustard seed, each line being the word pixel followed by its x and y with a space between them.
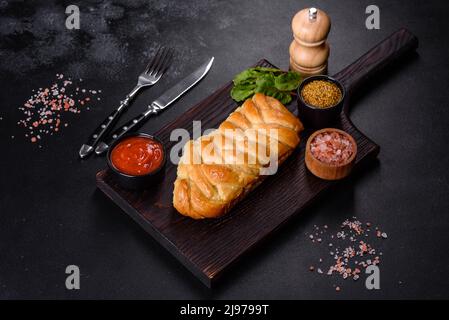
pixel 321 94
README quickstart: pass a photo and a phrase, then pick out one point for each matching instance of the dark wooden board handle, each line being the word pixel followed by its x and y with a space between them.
pixel 387 51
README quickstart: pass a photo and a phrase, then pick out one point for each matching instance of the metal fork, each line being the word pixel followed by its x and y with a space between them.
pixel 154 70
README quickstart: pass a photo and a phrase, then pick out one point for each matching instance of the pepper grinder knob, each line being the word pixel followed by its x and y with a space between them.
pixel 312 14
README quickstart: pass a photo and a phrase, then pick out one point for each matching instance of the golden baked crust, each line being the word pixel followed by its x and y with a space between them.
pixel 219 169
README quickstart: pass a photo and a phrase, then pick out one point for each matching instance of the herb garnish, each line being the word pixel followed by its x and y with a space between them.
pixel 269 81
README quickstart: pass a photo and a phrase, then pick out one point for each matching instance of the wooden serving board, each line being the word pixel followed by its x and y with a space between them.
pixel 209 247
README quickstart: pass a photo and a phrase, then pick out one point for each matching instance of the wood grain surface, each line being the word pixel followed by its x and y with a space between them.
pixel 209 247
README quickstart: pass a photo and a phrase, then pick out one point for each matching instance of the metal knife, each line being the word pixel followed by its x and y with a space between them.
pixel 165 100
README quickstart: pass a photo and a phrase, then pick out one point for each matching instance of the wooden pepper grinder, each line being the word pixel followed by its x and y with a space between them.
pixel 309 50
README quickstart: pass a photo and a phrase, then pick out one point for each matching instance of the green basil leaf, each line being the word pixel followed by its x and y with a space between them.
pixel 265 81
pixel 288 81
pixel 264 69
pixel 283 97
pixel 247 75
pixel 241 93
pixel 269 81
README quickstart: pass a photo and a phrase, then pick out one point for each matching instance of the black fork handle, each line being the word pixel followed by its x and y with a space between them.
pixel 130 126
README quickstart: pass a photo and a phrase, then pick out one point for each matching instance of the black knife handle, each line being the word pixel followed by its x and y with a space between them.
pixel 107 123
pixel 131 125
pixel 104 128
pixel 127 127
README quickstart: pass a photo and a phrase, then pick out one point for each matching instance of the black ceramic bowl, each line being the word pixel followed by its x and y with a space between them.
pixel 315 117
pixel 138 181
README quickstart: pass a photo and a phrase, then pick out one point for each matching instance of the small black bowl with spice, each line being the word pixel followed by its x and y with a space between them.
pixel 320 101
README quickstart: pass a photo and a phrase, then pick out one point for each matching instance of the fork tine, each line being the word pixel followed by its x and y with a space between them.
pixel 150 64
pixel 157 67
pixel 165 63
pixel 157 59
pixel 169 61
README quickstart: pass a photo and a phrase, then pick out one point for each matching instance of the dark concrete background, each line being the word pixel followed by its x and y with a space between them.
pixel 52 215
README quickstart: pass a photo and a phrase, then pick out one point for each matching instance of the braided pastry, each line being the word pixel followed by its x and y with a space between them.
pixel 219 169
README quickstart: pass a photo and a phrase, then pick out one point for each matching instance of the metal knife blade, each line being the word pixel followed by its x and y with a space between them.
pixel 169 96
pixel 166 99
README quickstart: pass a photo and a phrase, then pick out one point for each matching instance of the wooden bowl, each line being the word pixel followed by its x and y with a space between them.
pixel 328 171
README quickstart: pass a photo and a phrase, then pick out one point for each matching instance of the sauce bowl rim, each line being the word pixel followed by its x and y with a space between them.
pixel 136 134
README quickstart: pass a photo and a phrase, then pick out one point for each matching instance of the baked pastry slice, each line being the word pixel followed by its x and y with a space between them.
pixel 219 169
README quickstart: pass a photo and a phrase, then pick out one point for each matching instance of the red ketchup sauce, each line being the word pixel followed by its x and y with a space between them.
pixel 137 156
